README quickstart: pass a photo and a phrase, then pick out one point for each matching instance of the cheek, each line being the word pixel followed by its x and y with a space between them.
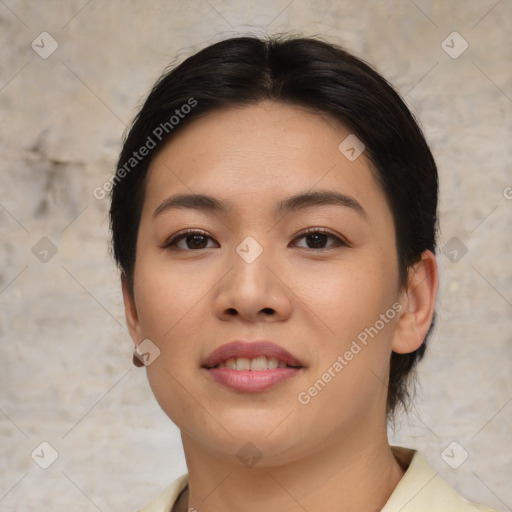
pixel 170 305
pixel 168 297
pixel 356 303
pixel 348 297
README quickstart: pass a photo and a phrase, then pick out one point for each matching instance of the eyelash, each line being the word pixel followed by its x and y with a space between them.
pixel 188 232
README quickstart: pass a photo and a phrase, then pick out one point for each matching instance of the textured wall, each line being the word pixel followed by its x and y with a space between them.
pixel 66 376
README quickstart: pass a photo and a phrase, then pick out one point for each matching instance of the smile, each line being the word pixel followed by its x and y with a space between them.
pixel 260 363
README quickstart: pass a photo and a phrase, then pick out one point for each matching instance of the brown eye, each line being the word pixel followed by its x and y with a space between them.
pixel 317 238
pixel 193 240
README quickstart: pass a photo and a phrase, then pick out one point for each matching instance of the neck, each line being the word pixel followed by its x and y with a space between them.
pixel 347 473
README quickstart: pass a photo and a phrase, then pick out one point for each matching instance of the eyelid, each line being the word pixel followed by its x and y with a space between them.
pixel 341 240
pixel 181 234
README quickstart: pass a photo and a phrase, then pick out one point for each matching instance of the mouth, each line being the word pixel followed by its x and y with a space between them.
pixel 254 355
pixel 258 364
pixel 251 366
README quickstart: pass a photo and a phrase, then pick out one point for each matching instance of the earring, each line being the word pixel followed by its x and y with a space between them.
pixel 137 358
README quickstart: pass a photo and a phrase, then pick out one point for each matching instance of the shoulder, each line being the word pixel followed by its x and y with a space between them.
pixel 422 489
pixel 167 498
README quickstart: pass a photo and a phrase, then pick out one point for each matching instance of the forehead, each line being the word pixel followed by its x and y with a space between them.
pixel 256 155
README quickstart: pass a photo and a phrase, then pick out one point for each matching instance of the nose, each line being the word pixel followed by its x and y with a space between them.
pixel 253 291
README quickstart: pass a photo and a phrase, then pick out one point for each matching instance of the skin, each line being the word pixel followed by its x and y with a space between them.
pixel 332 452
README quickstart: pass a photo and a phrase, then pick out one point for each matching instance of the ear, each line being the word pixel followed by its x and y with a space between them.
pixel 418 302
pixel 130 311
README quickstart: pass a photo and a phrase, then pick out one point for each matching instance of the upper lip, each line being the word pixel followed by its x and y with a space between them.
pixel 250 350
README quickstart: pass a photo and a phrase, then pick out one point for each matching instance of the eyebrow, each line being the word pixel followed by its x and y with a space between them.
pixel 294 203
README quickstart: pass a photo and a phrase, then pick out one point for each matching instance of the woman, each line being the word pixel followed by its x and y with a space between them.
pixel 274 218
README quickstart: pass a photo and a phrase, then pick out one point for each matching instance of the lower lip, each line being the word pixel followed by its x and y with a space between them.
pixel 251 381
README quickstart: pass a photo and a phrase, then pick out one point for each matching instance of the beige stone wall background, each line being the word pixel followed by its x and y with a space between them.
pixel 66 376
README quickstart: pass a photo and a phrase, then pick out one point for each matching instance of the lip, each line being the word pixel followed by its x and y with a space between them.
pixel 251 380
pixel 250 350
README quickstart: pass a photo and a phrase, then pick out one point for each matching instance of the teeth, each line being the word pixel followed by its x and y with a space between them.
pixel 242 363
pixel 272 363
pixel 257 364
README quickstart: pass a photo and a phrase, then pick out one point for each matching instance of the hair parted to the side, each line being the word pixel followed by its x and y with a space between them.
pixel 310 73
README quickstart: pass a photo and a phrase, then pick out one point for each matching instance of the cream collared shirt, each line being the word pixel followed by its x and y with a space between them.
pixel 421 489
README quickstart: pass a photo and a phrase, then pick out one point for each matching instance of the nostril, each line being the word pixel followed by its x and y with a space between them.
pixel 231 311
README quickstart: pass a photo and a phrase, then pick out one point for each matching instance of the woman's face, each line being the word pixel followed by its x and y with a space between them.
pixel 253 274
